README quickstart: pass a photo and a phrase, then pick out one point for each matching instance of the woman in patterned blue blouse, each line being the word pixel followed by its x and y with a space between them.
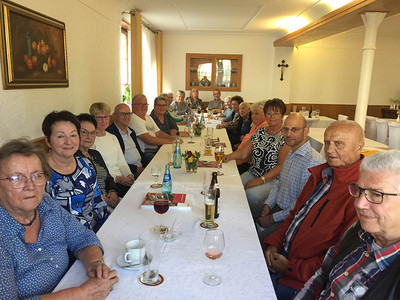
pixel 73 182
pixel 36 233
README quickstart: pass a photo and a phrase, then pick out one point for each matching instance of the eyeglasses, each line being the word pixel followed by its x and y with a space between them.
pixel 161 105
pixel 371 195
pixel 125 114
pixel 19 181
pixel 273 113
pixel 294 129
pixel 100 118
pixel 84 132
pixel 140 104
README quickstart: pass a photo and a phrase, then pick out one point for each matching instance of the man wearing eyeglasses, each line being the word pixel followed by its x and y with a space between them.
pixel 292 178
pixel 127 138
pixel 150 137
pixel 365 263
pixel 323 212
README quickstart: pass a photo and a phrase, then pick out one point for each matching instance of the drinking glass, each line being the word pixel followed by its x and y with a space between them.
pixel 213 246
pixel 161 206
pixel 156 172
pixel 171 158
pixel 219 155
pixel 153 247
pixel 191 133
pixel 206 180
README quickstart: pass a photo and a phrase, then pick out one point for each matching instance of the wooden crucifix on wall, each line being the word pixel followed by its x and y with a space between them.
pixel 282 65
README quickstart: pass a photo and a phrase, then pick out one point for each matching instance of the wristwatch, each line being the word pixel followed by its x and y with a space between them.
pixel 263 178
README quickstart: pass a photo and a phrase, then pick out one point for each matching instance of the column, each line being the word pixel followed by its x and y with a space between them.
pixel 371 21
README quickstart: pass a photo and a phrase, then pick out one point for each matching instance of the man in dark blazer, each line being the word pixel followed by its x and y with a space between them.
pixel 127 138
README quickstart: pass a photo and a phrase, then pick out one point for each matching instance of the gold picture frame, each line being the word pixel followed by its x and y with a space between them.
pixel 33 51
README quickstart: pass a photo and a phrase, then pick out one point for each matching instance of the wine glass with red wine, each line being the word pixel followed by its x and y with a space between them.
pixel 161 206
pixel 213 246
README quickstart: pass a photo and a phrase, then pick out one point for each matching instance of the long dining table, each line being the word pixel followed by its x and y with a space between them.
pixel 242 266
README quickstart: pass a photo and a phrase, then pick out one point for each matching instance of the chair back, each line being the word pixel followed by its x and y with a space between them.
pixel 382 131
pixel 394 135
pixel 341 117
pixel 370 128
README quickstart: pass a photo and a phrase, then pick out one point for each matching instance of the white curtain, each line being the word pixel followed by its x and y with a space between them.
pixel 149 66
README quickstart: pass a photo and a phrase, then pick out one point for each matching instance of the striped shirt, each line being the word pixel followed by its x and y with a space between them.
pixel 320 191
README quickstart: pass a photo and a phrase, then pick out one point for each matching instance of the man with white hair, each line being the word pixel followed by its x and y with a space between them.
pixel 365 263
pixel 323 211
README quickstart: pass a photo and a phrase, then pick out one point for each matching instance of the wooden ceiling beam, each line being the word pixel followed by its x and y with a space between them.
pixel 342 19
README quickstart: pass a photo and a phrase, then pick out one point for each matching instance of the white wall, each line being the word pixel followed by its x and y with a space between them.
pixel 257 64
pixel 328 70
pixel 93 42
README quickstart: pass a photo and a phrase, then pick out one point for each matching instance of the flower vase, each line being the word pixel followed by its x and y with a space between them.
pixel 191 165
pixel 197 130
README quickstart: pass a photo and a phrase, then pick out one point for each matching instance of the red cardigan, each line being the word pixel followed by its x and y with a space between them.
pixel 331 219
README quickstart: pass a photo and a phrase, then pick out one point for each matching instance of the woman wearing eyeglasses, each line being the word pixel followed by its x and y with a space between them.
pixel 36 233
pixel 267 150
pixel 107 144
pixel 163 120
pixel 73 181
pixel 87 135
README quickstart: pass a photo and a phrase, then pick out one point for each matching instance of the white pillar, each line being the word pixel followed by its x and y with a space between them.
pixel 371 21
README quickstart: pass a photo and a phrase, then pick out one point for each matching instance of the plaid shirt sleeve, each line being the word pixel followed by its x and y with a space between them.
pixel 316 284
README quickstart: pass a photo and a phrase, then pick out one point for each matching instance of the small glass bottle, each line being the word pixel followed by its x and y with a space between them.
pixel 177 153
pixel 167 181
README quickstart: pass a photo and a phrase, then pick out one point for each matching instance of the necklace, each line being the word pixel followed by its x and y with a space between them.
pixel 31 222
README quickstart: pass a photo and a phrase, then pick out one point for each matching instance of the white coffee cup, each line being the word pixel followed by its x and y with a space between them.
pixel 134 252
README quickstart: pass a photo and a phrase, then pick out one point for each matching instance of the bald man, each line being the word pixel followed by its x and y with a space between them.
pixel 323 212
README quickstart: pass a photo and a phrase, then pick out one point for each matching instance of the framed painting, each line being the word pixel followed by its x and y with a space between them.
pixel 33 51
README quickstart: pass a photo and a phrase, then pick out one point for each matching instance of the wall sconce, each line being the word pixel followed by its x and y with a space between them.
pixel 282 65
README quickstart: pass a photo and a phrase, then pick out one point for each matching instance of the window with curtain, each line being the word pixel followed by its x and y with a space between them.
pixel 125 66
pixel 149 66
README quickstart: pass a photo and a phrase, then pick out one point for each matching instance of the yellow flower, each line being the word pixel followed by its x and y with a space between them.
pixel 190 159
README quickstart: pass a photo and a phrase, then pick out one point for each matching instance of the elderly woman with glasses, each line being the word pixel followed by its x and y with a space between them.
pixel 107 144
pixel 87 135
pixel 73 181
pixel 164 120
pixel 267 150
pixel 37 232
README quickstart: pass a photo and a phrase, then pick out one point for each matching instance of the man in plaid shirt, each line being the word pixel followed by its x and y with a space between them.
pixel 365 263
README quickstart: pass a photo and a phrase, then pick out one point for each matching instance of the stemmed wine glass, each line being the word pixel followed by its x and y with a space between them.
pixel 191 133
pixel 213 246
pixel 161 206
pixel 156 172
pixel 219 155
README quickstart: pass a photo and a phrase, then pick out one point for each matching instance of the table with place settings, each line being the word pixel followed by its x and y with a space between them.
pixel 242 266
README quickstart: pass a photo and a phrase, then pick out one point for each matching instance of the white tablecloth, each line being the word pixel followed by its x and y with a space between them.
pixel 320 122
pixel 242 266
pixel 316 138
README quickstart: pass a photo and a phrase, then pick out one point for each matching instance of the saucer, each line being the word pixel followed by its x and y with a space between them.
pixel 123 264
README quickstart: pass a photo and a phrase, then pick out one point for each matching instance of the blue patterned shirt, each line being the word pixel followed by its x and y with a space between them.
pixel 31 269
pixel 292 178
pixel 79 193
pixel 265 151
pixel 351 278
